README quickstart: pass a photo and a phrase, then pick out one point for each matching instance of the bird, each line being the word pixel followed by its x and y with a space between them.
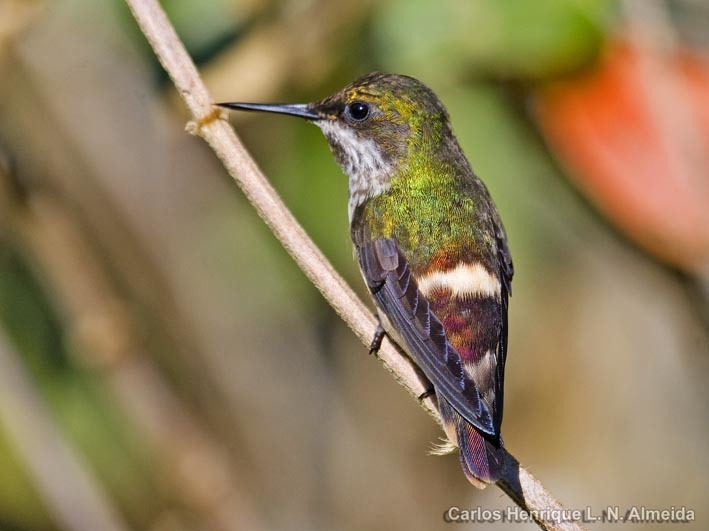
pixel 431 248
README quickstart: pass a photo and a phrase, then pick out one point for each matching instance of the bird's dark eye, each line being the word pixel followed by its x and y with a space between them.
pixel 358 111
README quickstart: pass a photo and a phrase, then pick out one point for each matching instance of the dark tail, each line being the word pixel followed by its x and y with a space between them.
pixel 481 459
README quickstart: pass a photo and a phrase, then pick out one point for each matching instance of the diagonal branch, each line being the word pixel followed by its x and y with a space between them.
pixel 208 123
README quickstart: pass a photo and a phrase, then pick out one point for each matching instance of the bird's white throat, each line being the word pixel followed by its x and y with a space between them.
pixel 361 159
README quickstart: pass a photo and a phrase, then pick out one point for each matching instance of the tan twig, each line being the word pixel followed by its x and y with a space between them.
pixel 519 484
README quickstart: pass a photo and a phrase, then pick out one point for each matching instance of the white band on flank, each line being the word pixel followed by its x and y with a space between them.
pixel 465 280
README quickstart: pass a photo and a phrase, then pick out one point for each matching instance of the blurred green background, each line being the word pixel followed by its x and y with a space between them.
pixel 165 366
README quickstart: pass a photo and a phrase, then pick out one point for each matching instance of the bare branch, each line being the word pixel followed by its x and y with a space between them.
pixel 208 123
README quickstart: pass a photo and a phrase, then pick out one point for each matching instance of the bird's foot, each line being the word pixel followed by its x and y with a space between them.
pixel 428 392
pixel 376 343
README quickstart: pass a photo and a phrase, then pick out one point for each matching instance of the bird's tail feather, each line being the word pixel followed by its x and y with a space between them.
pixel 481 460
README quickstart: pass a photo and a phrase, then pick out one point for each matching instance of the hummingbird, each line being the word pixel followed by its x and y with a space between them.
pixel 431 248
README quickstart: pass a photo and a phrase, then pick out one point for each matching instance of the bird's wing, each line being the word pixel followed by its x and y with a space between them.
pixel 423 325
pixel 505 274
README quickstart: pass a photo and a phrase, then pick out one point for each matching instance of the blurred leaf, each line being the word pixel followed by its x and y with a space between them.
pixel 27 314
pixel 520 38
pixel 19 501
pixel 296 157
pixel 316 190
pixel 204 25
pixel 81 410
pixel 92 420
pixel 635 134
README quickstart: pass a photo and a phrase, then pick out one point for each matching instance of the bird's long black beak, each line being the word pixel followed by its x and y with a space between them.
pixel 294 109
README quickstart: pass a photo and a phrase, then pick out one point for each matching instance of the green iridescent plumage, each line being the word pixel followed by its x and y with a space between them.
pixel 432 207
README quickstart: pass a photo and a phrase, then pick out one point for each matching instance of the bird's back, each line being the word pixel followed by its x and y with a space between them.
pixel 445 226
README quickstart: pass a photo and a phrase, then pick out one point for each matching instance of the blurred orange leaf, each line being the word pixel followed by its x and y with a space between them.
pixel 634 133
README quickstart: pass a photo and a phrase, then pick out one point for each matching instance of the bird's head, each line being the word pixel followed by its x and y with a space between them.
pixel 374 126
